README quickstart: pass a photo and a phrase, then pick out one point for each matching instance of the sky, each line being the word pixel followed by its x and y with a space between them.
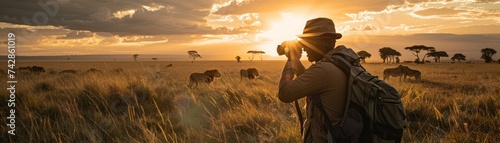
pixel 222 29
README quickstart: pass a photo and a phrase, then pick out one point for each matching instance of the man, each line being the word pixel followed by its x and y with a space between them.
pixel 322 79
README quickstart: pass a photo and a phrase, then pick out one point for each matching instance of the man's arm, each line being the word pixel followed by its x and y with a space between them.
pixel 297 67
pixel 310 82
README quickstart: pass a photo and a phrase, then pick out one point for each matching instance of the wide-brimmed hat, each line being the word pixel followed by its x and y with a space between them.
pixel 319 27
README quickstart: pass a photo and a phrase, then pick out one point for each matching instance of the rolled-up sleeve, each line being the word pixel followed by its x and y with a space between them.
pixel 311 82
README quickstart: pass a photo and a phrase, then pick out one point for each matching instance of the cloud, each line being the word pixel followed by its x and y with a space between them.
pixel 173 24
pixel 367 27
pixel 469 12
pixel 109 40
pixel 471 29
pixel 263 6
pixel 158 17
pixel 439 11
pixel 28 35
pixel 405 19
pixel 77 35
pixel 467 38
pixel 142 38
pixel 152 17
pixel 487 1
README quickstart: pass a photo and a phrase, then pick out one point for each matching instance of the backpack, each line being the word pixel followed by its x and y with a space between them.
pixel 374 111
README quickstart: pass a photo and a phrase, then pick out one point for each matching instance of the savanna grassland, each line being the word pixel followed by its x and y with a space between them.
pixel 146 101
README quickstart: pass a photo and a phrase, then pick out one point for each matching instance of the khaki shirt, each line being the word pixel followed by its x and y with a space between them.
pixel 322 79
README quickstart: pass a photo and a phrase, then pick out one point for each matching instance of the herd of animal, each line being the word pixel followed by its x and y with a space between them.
pixel 34 69
pixel 210 76
pixel 38 70
pixel 207 77
pixel 402 72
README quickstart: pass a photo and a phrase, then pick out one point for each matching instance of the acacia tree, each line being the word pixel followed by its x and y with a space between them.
pixel 417 48
pixel 388 54
pixel 135 56
pixel 258 53
pixel 487 54
pixel 154 59
pixel 363 55
pixel 458 56
pixel 384 53
pixel 394 54
pixel 193 54
pixel 238 58
pixel 437 55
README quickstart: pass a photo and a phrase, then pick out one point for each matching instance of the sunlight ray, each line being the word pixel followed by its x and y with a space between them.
pixel 314 48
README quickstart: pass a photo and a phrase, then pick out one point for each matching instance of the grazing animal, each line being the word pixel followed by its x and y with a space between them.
pixel 118 70
pixel 37 70
pixel 411 73
pixel 206 77
pixel 170 65
pixel 93 70
pixel 395 72
pixel 251 73
pixel 68 71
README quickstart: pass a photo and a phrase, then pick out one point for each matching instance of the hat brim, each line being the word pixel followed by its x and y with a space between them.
pixel 336 35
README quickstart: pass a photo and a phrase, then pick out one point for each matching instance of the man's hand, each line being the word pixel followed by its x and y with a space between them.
pixel 297 67
pixel 293 50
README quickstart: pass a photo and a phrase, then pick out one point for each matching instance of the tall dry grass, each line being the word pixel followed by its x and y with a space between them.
pixel 148 102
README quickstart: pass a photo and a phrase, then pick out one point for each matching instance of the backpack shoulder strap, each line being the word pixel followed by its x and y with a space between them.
pixel 341 63
pixel 344 58
pixel 336 132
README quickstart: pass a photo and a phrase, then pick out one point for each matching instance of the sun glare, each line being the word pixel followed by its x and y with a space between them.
pixel 286 29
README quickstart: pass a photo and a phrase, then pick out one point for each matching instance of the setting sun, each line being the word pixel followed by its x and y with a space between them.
pixel 284 29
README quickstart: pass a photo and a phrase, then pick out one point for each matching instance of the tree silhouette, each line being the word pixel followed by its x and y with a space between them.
pixel 487 54
pixel 458 56
pixel 135 56
pixel 416 49
pixel 154 59
pixel 437 55
pixel 388 54
pixel 238 58
pixel 363 55
pixel 394 54
pixel 193 54
pixel 258 53
pixel 384 53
